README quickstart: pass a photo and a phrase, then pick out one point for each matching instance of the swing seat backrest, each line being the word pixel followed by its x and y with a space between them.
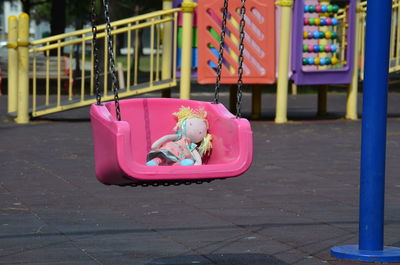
pixel 121 146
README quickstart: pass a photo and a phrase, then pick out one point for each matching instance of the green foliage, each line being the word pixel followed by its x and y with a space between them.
pixel 40 10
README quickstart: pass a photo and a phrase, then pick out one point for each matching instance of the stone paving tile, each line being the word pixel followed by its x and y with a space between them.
pixel 46 252
pixel 299 198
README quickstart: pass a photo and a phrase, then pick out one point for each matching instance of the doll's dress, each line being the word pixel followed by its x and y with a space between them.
pixel 174 151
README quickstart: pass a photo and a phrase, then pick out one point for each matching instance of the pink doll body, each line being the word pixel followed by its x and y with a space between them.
pixel 187 146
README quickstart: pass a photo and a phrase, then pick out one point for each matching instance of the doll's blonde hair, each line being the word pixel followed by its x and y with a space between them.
pixel 185 113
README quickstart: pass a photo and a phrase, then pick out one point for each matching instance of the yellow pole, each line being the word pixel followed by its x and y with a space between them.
pixel 166 63
pixel 282 85
pixel 23 69
pixel 294 89
pixel 12 63
pixel 351 102
pixel 187 31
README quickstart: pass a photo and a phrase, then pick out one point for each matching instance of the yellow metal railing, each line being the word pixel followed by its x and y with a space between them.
pixel 57 73
pixel 394 64
pixel 68 58
pixel 342 40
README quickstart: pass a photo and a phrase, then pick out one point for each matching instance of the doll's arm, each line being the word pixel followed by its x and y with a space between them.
pixel 165 138
pixel 196 157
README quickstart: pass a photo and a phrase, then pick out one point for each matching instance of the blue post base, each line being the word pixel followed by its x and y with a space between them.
pixel 351 252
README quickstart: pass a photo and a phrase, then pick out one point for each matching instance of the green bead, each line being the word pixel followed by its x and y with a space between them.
pixel 330 8
pixel 305 48
pixel 321 48
pixel 312 21
pixel 335 8
pixel 328 60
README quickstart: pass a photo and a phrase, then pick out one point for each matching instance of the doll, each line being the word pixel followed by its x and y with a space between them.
pixel 188 145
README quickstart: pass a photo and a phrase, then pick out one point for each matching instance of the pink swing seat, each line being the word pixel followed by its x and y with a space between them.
pixel 120 147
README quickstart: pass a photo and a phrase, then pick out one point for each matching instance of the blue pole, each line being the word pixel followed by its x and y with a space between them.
pixel 373 142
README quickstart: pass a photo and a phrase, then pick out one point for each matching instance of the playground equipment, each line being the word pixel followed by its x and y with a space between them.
pixel 259 62
pixel 194 55
pixel 323 45
pixel 259 65
pixel 50 96
pixel 373 148
pixel 160 73
pixel 322 52
pixel 121 145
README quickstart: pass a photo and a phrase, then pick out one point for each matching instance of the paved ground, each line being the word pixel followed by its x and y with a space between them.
pixel 299 198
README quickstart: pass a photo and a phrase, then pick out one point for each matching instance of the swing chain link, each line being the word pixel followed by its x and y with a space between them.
pixel 167 183
pixel 95 54
pixel 241 58
pixel 113 71
pixel 221 51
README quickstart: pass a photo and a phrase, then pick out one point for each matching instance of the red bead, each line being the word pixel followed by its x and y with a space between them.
pixel 327 48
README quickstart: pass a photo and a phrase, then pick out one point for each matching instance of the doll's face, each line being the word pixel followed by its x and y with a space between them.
pixel 196 129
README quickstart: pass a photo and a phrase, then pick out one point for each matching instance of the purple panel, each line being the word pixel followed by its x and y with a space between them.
pixel 323 76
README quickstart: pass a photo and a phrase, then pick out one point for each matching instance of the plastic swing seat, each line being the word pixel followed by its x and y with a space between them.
pixel 120 147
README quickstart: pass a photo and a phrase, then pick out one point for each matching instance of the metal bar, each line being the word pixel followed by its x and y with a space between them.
pixel 70 73
pixel 103 26
pixel 398 36
pixel 151 54
pixel 23 70
pixel 99 36
pixel 155 87
pixel 282 83
pixel 344 37
pixel 157 52
pixel 58 74
pixel 47 77
pixel 362 30
pixel 91 71
pixel 136 54
pixel 34 84
pixel 83 60
pixel 373 147
pixel 167 44
pixel 187 36
pixel 392 35
pixel 12 65
pixel 128 59
pixel 175 46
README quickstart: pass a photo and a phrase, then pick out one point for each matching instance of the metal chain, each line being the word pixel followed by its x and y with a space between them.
pixel 95 54
pixel 113 71
pixel 241 58
pixel 221 51
pixel 166 183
